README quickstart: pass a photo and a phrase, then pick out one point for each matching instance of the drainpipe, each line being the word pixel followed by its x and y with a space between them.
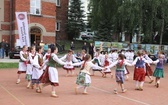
pixel 11 19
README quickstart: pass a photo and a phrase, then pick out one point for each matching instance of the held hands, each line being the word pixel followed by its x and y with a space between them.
pixel 104 69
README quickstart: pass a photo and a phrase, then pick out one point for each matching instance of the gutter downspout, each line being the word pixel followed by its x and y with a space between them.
pixel 11 25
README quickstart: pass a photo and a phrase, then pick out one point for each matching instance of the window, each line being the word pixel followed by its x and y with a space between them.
pixel 57 26
pixel 57 2
pixel 35 7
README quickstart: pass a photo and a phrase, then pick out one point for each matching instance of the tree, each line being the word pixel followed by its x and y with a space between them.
pixel 145 17
pixel 75 19
pixel 102 12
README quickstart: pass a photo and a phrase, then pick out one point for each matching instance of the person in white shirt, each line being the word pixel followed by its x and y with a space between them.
pixel 114 56
pixel 22 63
pixel 149 71
pixel 37 69
pixel 127 55
pixel 69 58
pixel 29 70
pixel 131 57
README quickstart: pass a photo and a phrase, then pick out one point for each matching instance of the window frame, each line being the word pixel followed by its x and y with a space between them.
pixel 58 26
pixel 35 8
pixel 58 5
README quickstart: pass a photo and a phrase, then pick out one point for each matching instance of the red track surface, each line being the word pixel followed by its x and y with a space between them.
pixel 100 92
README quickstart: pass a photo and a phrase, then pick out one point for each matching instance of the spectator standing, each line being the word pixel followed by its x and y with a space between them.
pixel 72 46
pixel 2 49
pixel 84 47
pixel 7 47
pixel 91 50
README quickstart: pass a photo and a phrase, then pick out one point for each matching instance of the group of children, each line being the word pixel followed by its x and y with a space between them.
pixel 41 69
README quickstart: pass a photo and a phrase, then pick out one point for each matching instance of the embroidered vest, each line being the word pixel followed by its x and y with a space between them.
pixel 120 67
pixel 160 64
pixel 139 64
pixel 52 62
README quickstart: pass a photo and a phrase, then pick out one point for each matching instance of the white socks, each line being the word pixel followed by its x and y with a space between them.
pixel 85 89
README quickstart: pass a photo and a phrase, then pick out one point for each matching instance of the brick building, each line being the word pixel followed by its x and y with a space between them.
pixel 42 19
pixel 61 17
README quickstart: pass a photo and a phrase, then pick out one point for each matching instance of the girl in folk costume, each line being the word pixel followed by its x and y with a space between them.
pixel 106 63
pixel 120 64
pixel 148 68
pixel 37 69
pixel 139 71
pixel 83 54
pixel 30 66
pixel 159 72
pixel 83 78
pixel 96 61
pixel 51 73
pixel 69 58
pixel 22 63
pixel 46 58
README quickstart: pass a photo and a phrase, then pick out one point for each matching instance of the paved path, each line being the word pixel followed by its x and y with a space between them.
pixel 100 91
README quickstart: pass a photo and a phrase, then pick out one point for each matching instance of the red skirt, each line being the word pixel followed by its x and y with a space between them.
pixel 139 74
pixel 45 78
pixel 20 72
pixel 149 71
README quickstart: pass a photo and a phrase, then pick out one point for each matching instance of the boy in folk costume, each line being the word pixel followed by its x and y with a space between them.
pixel 105 64
pixel 83 79
pixel 148 68
pixel 37 69
pixel 22 63
pixel 139 71
pixel 30 66
pixel 119 73
pixel 159 72
pixel 69 58
pixel 51 74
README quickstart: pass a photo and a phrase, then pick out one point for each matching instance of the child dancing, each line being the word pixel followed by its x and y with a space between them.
pixel 119 73
pixel 159 72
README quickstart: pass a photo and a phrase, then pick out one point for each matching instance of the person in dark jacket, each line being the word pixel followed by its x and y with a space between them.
pixel 91 50
pixel 2 49
pixel 7 48
pixel 84 47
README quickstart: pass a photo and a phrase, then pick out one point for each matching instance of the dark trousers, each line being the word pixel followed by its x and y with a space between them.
pixel 6 53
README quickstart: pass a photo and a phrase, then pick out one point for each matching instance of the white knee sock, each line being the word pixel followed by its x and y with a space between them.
pixel 85 89
pixel 141 84
pixel 137 84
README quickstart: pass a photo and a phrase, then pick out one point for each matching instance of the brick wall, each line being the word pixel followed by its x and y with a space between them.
pixel 61 16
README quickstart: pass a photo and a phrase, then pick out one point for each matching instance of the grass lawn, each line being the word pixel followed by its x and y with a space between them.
pixel 8 65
